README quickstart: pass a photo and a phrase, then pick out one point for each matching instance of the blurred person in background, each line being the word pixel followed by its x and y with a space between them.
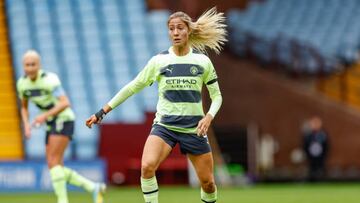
pixel 44 89
pixel 180 72
pixel 267 147
pixel 316 147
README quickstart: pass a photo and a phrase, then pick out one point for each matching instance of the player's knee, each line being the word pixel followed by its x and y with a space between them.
pixel 147 169
pixel 53 160
pixel 208 186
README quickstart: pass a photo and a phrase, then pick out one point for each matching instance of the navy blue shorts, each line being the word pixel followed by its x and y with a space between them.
pixel 59 128
pixel 189 143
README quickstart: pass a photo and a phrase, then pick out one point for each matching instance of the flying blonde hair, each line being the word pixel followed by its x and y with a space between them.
pixel 207 32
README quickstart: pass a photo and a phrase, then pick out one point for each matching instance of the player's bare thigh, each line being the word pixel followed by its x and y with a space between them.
pixel 155 152
pixel 55 149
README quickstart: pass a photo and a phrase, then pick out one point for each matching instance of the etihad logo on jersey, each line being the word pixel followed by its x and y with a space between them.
pixel 36 93
pixel 181 83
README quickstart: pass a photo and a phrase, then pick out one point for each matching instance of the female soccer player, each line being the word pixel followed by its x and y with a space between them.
pixel 180 72
pixel 45 90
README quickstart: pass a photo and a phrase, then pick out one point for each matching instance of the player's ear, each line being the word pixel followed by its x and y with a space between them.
pixel 190 32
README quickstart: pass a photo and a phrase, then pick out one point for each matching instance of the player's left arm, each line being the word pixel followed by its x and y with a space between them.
pixel 212 85
pixel 216 98
pixel 216 101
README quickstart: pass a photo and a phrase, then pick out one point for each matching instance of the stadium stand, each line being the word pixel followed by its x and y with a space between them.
pixel 304 36
pixel 95 47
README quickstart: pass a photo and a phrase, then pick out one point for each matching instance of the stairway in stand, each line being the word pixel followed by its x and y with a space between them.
pixel 10 132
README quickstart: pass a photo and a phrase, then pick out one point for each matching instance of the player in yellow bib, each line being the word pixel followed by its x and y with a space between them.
pixel 180 73
pixel 45 91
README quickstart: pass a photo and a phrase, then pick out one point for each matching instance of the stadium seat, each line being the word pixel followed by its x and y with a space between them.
pixel 94 48
pixel 328 29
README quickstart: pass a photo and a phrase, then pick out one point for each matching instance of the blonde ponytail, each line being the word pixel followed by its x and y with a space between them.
pixel 207 32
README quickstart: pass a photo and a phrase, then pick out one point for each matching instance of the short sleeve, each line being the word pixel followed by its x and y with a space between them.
pixel 57 89
pixel 54 79
pixel 20 90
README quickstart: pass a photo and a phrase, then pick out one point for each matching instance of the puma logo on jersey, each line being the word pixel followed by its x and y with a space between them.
pixel 169 70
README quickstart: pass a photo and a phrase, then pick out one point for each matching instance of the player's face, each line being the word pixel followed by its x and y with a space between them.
pixel 31 66
pixel 178 32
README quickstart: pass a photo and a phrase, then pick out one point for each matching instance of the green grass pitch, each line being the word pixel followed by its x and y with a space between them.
pixel 268 193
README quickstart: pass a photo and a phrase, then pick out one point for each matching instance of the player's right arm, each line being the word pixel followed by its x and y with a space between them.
pixel 146 77
pixel 25 117
pixel 24 110
pixel 97 117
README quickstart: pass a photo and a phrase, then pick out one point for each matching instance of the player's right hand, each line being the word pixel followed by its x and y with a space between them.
pixel 92 120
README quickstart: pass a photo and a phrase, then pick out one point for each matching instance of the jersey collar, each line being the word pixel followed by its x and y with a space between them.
pixel 39 74
pixel 171 51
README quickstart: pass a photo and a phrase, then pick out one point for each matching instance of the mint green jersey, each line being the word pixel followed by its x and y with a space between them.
pixel 44 93
pixel 180 80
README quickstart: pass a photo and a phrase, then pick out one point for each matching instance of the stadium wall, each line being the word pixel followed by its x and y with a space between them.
pixel 279 106
pixel 34 176
pixel 121 145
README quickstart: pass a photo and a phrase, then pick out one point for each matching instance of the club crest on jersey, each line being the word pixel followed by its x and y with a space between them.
pixel 194 70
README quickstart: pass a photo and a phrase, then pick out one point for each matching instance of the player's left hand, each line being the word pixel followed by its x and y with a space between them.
pixel 204 125
pixel 40 119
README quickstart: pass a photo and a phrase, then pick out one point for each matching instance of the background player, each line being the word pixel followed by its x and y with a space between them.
pixel 180 72
pixel 45 91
